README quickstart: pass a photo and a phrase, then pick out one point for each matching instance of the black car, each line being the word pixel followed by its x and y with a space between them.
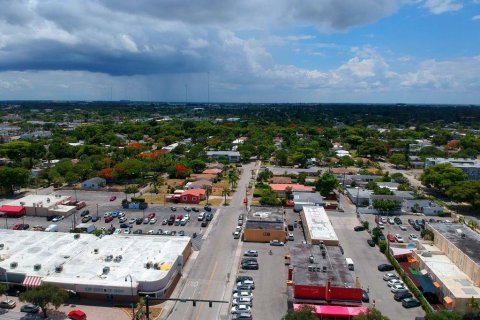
pixel 411 221
pixel 204 224
pixel 95 219
pixel 416 226
pixel 124 225
pixel 139 231
pixel 209 217
pixel 30 308
pixel 139 221
pixel 410 303
pixel 341 249
pixel 173 208
pixel 359 228
pixel 250 266
pixel 381 237
pixel 249 260
pixel 371 243
pixel 50 218
pixel 195 209
pixel 399 296
pixel 84 213
pixel 385 267
pixel 207 208
pixel 86 219
pixel 365 297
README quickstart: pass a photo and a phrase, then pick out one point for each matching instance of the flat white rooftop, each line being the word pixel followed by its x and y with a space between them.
pixel 83 260
pixel 318 224
pixel 38 200
pixel 451 276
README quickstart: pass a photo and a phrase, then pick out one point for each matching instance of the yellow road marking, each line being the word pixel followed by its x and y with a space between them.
pixel 208 289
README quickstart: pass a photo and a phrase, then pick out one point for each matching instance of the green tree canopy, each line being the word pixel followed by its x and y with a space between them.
pixel 385 205
pixel 303 313
pixel 45 295
pixel 468 191
pixel 444 315
pixel 371 314
pixel 326 183
pixel 442 176
pixel 13 178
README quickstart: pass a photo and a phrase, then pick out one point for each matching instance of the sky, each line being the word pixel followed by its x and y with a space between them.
pixel 294 51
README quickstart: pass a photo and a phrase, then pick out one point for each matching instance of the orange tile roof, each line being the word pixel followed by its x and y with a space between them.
pixel 212 171
pixel 295 187
pixel 194 192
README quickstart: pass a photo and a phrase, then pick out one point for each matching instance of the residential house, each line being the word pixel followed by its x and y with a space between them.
pixel 231 156
pixel 426 207
pixel 203 176
pixel 192 196
pixel 198 184
pixel 94 183
pixel 214 171
pixel 281 188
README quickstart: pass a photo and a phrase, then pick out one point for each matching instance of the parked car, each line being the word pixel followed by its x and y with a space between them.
pixel 153 220
pixel 416 226
pixel 138 221
pixel 410 303
pixel 398 238
pixel 84 213
pixel 86 219
pixel 251 253
pixel 58 218
pixel 391 237
pixel 393 282
pixel 250 283
pixel 209 216
pixel 95 218
pixel 250 266
pixel 201 216
pixel 371 243
pixel 399 296
pixel 242 294
pixel 188 209
pixel 77 315
pixel 240 309
pixel 207 208
pixel 151 215
pixel 146 221
pixel 195 209
pixel 276 243
pixel 30 308
pixel 108 219
pixel 122 219
pixel 244 300
pixel 8 304
pixel 398 287
pixel 107 214
pixel 132 220
pixel 113 198
pixel 381 225
pixel 365 297
pixel 164 222
pixel 359 228
pixel 385 267
pixel 173 208
pixel 242 278
pixel 389 276
pixel 402 227
pixel 391 220
pixel 124 225
pixel 242 316
pixel 204 224
pixel 413 237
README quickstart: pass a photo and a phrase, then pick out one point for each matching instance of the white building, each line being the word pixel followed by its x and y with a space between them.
pixel 318 227
pixel 470 166
pixel 113 267
pixel 43 205
pixel 94 183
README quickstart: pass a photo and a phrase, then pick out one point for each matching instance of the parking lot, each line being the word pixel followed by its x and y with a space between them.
pixel 98 203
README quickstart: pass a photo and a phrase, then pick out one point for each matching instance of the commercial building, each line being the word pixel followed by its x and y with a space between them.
pixel 282 188
pixel 318 275
pixel 301 199
pixel 470 166
pixel 114 267
pixel 232 156
pixel 451 264
pixel 39 205
pixel 317 226
pixel 426 207
pixel 265 224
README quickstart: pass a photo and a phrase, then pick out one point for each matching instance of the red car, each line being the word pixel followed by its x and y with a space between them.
pixel 77 315
pixel 18 226
pixel 390 237
pixel 180 216
pixel 108 219
pixel 151 215
pixel 113 198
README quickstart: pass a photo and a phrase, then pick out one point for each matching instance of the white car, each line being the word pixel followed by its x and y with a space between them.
pixel 153 220
pixel 383 219
pixel 389 276
pixel 402 227
pixel 391 221
pixel 187 216
pixel 398 287
pixel 241 308
pixel 242 294
pixel 250 283
pixel 132 221
pixel 381 225
pixel 413 237
pixel 394 282
pixel 398 238
pixel 121 214
pixel 290 237
pixel 107 214
pixel 117 231
pixel 122 220
pixel 58 218
pixel 127 231
pixel 151 231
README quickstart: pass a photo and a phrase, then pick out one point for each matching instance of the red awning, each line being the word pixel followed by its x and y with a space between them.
pixel 321 310
pixel 14 211
pixel 32 281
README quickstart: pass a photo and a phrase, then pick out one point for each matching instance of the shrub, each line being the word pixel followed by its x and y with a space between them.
pixel 382 245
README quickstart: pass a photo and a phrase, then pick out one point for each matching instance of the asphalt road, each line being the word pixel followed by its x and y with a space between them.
pixel 212 273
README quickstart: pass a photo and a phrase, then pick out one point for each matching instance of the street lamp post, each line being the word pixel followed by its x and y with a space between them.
pixel 356 204
pixel 97 210
pixel 131 293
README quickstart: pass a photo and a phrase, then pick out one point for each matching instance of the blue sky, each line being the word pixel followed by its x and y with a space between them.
pixel 412 51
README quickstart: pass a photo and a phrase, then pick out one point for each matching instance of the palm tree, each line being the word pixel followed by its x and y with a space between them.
pixel 232 178
pixel 225 193
pixel 208 191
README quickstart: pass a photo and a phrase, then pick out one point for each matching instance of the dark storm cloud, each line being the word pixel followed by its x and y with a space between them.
pixel 167 36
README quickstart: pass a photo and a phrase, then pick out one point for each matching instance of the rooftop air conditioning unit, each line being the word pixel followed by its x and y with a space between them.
pixel 426 254
pixel 310 258
pixel 310 268
pixel 106 270
pixel 76 236
pixel 318 269
pixel 95 251
pixel 13 265
pixel 1 246
pixel 37 267
pixel 58 269
pixel 324 268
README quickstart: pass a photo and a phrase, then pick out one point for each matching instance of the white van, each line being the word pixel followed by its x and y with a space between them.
pixel 52 228
pixel 350 264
